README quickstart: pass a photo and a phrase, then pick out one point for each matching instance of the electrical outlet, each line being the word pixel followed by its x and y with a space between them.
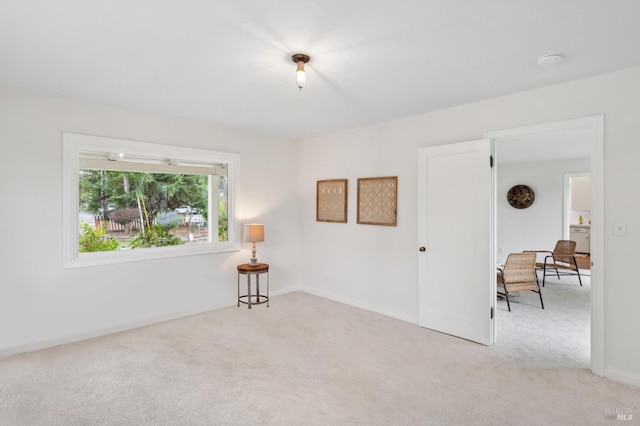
pixel 620 229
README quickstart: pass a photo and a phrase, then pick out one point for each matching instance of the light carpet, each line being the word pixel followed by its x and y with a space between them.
pixel 559 335
pixel 303 361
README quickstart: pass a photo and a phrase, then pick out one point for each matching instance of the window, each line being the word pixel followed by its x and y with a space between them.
pixel 126 201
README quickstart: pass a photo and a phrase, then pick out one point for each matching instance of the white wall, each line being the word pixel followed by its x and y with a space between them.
pixel 540 226
pixel 42 304
pixel 376 267
pixel 580 203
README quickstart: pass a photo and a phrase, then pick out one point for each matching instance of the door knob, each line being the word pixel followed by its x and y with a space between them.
pixel 422 249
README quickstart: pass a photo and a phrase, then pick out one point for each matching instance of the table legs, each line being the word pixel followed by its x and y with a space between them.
pixel 258 296
pixel 257 288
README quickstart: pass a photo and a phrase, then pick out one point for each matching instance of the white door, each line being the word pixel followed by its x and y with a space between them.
pixel 455 230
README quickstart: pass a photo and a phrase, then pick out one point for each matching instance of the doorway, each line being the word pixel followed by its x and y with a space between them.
pixel 531 141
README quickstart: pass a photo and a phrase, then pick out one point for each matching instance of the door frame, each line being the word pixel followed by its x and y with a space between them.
pixel 594 127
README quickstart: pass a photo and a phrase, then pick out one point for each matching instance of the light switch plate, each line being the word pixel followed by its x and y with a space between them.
pixel 620 229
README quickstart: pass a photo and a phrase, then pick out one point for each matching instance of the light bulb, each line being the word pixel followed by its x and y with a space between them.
pixel 300 75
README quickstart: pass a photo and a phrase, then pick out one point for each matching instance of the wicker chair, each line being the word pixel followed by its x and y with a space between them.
pixel 562 258
pixel 519 274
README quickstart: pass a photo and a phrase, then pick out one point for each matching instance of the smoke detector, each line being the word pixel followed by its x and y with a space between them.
pixel 550 59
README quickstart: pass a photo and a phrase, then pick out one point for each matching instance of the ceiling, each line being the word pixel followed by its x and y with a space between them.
pixel 228 62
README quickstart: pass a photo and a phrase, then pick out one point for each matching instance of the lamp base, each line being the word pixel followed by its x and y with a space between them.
pixel 253 261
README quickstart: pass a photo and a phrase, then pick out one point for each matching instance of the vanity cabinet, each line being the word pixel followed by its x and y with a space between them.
pixel 581 235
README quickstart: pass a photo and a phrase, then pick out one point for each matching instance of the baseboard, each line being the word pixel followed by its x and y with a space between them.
pixel 283 291
pixel 621 376
pixel 72 338
pixel 361 305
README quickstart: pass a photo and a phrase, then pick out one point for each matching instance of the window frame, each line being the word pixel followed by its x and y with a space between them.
pixel 74 143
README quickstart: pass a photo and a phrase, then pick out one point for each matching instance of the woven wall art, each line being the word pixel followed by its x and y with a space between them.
pixel 378 200
pixel 331 200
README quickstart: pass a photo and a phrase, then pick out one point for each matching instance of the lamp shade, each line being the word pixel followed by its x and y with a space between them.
pixel 254 232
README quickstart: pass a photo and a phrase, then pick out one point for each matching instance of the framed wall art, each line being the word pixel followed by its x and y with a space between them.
pixel 331 200
pixel 378 200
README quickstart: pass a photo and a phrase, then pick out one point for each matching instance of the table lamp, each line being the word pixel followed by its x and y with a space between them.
pixel 253 233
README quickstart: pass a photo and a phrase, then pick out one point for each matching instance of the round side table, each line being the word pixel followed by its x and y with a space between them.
pixel 257 270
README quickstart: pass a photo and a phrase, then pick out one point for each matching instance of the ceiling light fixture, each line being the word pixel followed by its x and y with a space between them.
pixel 300 59
pixel 550 59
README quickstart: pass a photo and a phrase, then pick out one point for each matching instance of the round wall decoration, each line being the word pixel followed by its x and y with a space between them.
pixel 521 196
